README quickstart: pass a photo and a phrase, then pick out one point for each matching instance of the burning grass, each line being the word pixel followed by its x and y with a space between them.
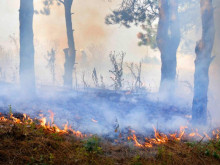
pixel 31 141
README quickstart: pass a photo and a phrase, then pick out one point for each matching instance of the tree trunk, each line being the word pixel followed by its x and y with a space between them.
pixel 70 52
pixel 203 60
pixel 168 39
pixel 27 73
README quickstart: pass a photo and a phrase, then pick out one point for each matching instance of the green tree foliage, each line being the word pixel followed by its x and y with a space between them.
pixel 145 13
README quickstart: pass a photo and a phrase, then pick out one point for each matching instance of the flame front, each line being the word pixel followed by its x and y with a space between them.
pixel 43 123
pixel 159 138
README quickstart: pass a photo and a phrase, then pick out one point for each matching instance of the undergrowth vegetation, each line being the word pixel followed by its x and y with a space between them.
pixel 31 144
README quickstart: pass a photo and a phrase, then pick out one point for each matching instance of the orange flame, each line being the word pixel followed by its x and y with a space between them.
pixel 159 138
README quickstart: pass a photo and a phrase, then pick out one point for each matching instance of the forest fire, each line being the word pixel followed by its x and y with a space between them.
pixel 184 133
pixel 119 100
pixel 50 126
pixel 161 138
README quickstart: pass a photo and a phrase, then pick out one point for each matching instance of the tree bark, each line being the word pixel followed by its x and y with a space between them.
pixel 27 72
pixel 203 60
pixel 70 52
pixel 168 39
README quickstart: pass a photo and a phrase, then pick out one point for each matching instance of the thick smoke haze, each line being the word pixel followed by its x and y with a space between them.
pixel 94 41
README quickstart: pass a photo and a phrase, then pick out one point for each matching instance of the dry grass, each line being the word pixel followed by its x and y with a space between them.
pixel 32 144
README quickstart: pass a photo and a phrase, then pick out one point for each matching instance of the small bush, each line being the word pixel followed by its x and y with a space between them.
pixel 93 144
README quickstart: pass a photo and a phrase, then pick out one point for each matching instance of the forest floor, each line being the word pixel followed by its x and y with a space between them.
pixel 33 144
pixel 109 116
